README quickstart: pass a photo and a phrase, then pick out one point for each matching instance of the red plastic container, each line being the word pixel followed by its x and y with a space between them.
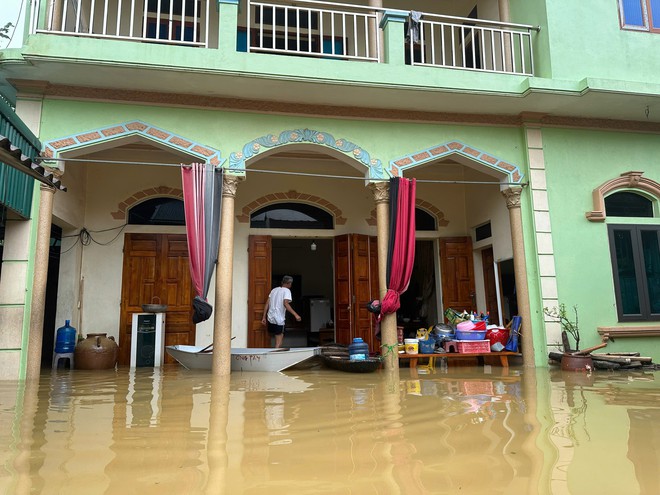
pixel 500 335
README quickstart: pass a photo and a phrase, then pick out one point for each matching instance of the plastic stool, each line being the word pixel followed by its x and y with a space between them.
pixel 65 355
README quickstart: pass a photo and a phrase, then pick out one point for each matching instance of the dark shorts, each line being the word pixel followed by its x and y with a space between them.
pixel 274 329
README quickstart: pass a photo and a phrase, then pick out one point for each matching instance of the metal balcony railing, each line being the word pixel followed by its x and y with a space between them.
pixel 180 22
pixel 474 44
pixel 314 28
pixel 310 28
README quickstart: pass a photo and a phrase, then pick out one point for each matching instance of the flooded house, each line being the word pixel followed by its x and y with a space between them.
pixel 532 135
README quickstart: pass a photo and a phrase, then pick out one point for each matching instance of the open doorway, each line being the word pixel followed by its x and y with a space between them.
pixel 508 288
pixel 419 304
pixel 309 262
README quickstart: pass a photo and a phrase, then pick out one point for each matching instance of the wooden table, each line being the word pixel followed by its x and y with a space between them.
pixel 413 358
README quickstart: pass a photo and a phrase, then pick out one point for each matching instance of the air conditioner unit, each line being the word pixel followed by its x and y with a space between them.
pixel 147 340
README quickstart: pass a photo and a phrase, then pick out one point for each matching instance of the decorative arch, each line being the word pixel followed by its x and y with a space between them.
pixel 280 197
pixel 512 172
pixel 53 148
pixel 350 150
pixel 627 180
pixel 138 197
pixel 439 215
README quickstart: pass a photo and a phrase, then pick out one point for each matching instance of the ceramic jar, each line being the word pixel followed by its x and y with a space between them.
pixel 96 352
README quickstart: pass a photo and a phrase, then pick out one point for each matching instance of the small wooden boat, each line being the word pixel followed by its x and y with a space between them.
pixel 344 364
pixel 243 359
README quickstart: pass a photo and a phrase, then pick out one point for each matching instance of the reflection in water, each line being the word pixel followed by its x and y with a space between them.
pixel 458 430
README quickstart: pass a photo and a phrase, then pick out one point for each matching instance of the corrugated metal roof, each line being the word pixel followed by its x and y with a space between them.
pixel 14 157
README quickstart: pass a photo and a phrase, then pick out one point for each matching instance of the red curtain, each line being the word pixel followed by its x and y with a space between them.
pixel 194 186
pixel 402 241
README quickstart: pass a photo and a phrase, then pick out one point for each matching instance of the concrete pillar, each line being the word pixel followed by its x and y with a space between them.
pixel 56 19
pixel 393 37
pixel 512 196
pixel 224 280
pixel 39 283
pixel 374 45
pixel 389 341
pixel 228 20
pixel 505 16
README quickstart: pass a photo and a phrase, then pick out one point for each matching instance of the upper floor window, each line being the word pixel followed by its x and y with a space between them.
pixel 173 20
pixel 291 216
pixel 643 15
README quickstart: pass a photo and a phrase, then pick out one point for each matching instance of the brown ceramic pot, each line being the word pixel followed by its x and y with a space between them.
pixel 96 352
pixel 571 362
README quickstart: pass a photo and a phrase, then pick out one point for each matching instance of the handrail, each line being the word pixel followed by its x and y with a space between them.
pixel 425 14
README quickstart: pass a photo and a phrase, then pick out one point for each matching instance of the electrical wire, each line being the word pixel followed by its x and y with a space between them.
pixel 301 174
pixel 85 237
pixel 20 11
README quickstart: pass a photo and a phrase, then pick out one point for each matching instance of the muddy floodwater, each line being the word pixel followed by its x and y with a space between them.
pixel 456 431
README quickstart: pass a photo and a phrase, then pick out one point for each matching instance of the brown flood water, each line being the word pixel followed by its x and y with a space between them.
pixel 316 431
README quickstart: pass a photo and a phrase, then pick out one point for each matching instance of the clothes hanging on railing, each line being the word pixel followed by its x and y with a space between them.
pixel 413 26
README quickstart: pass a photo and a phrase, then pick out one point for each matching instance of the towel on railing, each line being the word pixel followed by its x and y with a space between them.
pixel 413 26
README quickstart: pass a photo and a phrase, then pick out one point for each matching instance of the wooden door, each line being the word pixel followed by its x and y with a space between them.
pixel 259 286
pixel 457 273
pixel 356 283
pixel 490 284
pixel 156 265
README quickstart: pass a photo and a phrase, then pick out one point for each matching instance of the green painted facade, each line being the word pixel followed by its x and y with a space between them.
pixel 594 96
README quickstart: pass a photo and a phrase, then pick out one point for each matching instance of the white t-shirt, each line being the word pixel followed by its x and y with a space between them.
pixel 276 309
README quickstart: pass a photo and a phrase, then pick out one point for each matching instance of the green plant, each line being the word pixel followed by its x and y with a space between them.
pixel 4 31
pixel 570 327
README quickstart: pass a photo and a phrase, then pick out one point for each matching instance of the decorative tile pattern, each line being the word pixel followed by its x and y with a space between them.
pixel 143 195
pixel 351 150
pixel 292 195
pixel 206 154
pixel 420 157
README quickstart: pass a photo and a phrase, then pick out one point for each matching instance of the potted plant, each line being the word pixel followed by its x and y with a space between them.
pixel 572 359
pixel 567 326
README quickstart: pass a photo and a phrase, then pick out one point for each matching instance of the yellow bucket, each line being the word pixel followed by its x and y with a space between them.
pixel 411 346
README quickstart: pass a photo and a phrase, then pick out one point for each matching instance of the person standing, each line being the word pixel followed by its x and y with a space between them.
pixel 279 302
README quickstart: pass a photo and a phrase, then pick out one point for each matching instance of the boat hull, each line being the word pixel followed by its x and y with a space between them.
pixel 243 359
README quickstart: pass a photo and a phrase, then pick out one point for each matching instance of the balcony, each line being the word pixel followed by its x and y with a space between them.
pixel 304 28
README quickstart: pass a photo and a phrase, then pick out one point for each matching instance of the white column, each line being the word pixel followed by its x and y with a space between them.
pixel 512 196
pixel 224 280
pixel 39 282
pixel 381 192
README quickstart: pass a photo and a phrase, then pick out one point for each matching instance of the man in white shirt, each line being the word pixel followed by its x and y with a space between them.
pixel 279 302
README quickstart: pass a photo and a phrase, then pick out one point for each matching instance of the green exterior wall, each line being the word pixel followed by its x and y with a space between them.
pixel 230 131
pixel 578 161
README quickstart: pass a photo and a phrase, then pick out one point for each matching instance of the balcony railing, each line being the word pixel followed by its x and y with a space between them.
pixel 310 28
pixel 181 22
pixel 314 29
pixel 465 43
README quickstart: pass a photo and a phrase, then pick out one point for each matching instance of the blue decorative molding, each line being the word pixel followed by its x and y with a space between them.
pixel 351 150
pixel 509 170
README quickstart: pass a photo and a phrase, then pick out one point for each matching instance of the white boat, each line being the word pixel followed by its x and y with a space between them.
pixel 243 359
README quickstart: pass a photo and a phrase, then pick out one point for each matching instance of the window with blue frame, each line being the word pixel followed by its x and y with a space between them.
pixel 641 15
pixel 635 252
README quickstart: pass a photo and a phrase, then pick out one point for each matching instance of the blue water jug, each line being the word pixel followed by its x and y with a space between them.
pixel 358 350
pixel 65 341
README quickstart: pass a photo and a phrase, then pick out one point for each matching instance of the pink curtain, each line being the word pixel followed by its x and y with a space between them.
pixel 194 186
pixel 402 241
